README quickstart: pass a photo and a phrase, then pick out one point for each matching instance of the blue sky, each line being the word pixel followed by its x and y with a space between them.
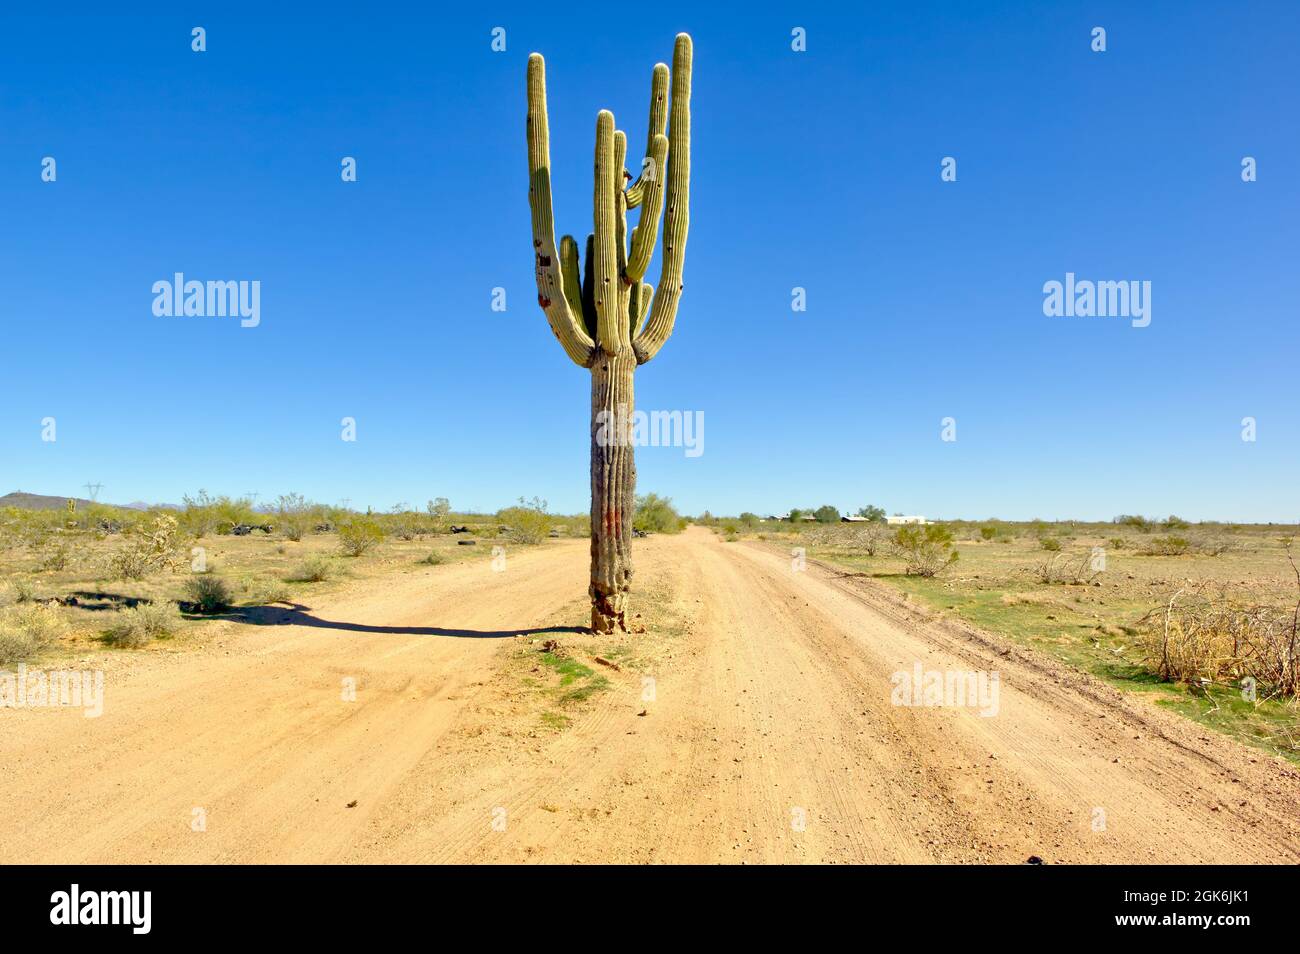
pixel 818 169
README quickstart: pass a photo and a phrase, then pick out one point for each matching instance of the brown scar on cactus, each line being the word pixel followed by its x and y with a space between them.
pixel 601 332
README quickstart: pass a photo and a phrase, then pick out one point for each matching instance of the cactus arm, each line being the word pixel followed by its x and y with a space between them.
pixel 646 231
pixel 658 122
pixel 572 278
pixel 610 329
pixel 663 310
pixel 658 105
pixel 589 286
pixel 576 342
pixel 635 193
pixel 640 301
pixel 620 231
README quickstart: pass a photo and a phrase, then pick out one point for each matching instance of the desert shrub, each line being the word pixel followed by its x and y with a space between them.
pixel 432 558
pixel 988 533
pixel 927 550
pixel 578 526
pixel 204 514
pixel 1060 568
pixel 405 524
pixel 294 516
pixel 655 514
pixel 21 590
pixel 358 533
pixel 1051 544
pixel 529 522
pixel 269 590
pixel 315 569
pixel 1212 633
pixel 1166 546
pixel 147 549
pixel 1176 523
pixel 142 624
pixel 27 629
pixel 208 593
pixel 1136 521
pixel 1117 543
pixel 1215 547
pixel 199 518
pixel 55 554
pixel 873 539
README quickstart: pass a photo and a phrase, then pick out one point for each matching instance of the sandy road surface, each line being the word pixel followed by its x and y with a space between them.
pixel 771 737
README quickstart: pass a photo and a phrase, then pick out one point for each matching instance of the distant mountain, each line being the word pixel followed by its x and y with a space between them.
pixel 24 501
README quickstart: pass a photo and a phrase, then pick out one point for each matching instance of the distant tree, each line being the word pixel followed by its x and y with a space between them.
pixel 826 514
pixel 439 507
pixel 295 517
pixel 657 514
pixel 795 514
pixel 749 519
pixel 876 514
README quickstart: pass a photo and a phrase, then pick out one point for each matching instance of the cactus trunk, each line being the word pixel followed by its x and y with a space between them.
pixel 612 320
pixel 613 490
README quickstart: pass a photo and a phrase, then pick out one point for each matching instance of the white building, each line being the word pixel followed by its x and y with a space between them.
pixel 895 520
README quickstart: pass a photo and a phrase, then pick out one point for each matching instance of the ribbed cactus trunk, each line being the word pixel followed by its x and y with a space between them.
pixel 608 318
pixel 613 490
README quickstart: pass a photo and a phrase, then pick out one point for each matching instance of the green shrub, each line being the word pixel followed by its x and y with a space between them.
pixel 655 514
pixel 21 590
pixel 1050 543
pixel 1136 521
pixel 209 593
pixel 270 591
pixel 315 569
pixel 1166 546
pixel 927 550
pixel 293 516
pixel 56 554
pixel 141 624
pixel 988 533
pixel 432 558
pixel 529 522
pixel 358 534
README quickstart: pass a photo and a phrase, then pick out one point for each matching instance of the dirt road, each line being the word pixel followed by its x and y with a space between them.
pixel 770 735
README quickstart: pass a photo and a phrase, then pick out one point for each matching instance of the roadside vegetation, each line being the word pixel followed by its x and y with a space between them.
pixel 1202 617
pixel 102 577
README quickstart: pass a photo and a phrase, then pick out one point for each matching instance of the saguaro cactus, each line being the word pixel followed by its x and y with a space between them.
pixel 612 320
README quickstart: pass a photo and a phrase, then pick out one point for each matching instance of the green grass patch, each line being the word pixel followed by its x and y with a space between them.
pixel 555 721
pixel 568 669
pixel 583 692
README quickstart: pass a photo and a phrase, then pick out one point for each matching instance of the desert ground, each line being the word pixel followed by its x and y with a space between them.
pixel 747 719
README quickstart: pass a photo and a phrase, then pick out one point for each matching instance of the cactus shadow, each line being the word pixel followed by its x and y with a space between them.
pixel 296 614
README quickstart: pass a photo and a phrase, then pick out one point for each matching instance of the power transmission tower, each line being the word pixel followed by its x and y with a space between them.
pixel 93 490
